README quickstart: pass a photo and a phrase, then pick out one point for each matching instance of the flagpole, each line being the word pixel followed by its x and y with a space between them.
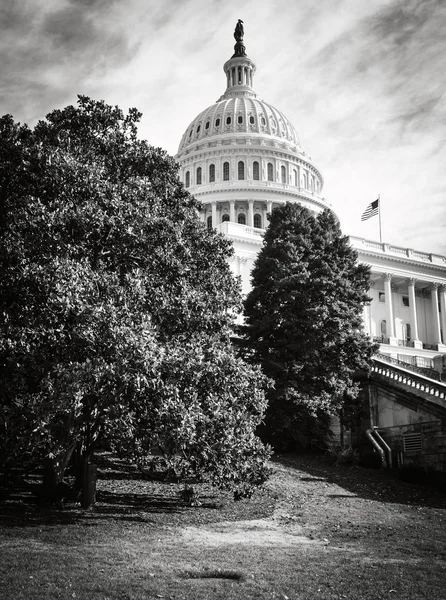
pixel 379 215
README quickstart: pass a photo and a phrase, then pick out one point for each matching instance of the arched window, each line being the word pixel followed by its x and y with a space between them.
pixel 258 221
pixel 270 172
pixel 187 178
pixel 407 332
pixel 283 174
pixel 207 125
pixel 225 218
pixel 255 170
pixel 209 223
pixel 295 177
pixel 199 176
pixel 225 171
pixel 383 327
pixel 251 120
pixel 305 181
pixel 240 119
pixel 217 122
pixel 241 219
pixel 241 169
pixel 228 120
pixel 211 173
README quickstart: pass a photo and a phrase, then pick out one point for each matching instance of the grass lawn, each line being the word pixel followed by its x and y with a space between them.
pixel 315 531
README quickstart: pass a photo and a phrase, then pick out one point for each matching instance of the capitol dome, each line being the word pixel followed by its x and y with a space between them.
pixel 241 157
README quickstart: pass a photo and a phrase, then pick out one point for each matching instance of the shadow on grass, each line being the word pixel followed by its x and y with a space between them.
pixel 374 484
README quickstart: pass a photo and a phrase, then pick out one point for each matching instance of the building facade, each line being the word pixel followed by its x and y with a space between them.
pixel 241 157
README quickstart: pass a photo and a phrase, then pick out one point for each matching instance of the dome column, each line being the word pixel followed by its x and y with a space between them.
pixel 251 213
pixel 214 214
pixel 232 211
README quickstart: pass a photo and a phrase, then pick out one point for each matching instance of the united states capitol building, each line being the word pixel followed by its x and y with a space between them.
pixel 241 157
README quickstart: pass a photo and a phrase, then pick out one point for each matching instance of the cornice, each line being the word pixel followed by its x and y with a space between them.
pixel 400 260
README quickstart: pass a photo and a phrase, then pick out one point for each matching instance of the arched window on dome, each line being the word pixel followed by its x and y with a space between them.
pixel 217 122
pixel 211 173
pixel 270 172
pixel 251 119
pixel 209 223
pixel 295 177
pixel 241 219
pixel 257 221
pixel 199 176
pixel 225 171
pixel 255 171
pixel 207 125
pixel 305 181
pixel 228 120
pixel 240 119
pixel 283 174
pixel 241 169
pixel 225 218
pixel 187 178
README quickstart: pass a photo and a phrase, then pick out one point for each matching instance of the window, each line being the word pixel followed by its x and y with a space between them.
pixel 270 172
pixel 199 176
pixel 295 177
pixel 381 297
pixel 187 178
pixel 217 122
pixel 283 174
pixel 262 121
pixel 256 170
pixel 211 173
pixel 405 300
pixel 198 128
pixel 241 219
pixel 209 223
pixel 207 125
pixel 305 182
pixel 407 333
pixel 241 169
pixel 257 221
pixel 228 120
pixel 190 133
pixel 240 119
pixel 226 171
pixel 225 218
pixel 383 328
pixel 251 120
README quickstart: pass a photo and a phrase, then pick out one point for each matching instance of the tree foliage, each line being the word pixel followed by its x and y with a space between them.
pixel 116 304
pixel 304 320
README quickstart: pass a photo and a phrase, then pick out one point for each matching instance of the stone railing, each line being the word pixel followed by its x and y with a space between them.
pixel 425 371
pixel 388 249
pixel 418 382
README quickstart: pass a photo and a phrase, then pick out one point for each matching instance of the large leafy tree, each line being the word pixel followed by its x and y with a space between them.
pixel 304 322
pixel 116 305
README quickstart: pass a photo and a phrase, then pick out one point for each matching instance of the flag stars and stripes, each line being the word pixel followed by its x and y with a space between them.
pixel 371 210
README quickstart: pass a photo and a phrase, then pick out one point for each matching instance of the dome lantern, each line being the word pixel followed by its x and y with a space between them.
pixel 239 68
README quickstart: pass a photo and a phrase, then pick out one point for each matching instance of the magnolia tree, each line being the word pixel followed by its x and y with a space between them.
pixel 304 322
pixel 116 307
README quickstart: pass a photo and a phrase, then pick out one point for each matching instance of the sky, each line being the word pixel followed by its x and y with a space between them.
pixel 362 81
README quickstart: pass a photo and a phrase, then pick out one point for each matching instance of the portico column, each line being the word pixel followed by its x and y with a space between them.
pixel 251 213
pixel 413 313
pixel 214 214
pixel 232 211
pixel 389 309
pixel 435 313
pixel 442 293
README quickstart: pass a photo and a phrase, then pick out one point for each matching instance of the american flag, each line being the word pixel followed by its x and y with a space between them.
pixel 371 210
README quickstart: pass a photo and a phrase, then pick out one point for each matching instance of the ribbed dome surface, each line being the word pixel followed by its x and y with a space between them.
pixel 239 115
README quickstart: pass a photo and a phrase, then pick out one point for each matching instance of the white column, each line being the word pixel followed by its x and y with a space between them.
pixel 232 211
pixel 442 293
pixel 214 214
pixel 251 213
pixel 435 313
pixel 389 306
pixel 413 313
